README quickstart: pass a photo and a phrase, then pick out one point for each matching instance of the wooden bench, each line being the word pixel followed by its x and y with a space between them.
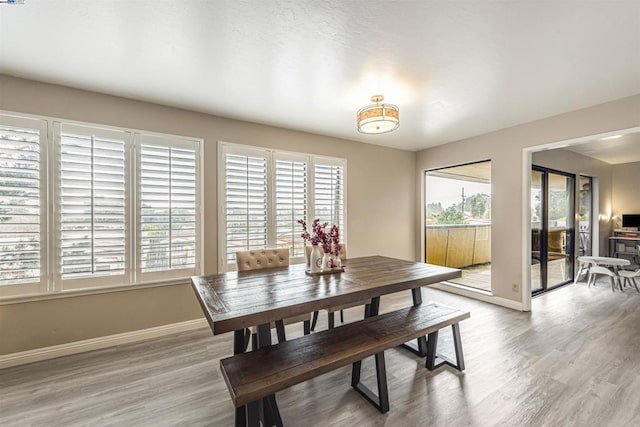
pixel 258 374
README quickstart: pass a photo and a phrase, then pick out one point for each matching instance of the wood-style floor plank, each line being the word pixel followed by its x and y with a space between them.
pixel 573 361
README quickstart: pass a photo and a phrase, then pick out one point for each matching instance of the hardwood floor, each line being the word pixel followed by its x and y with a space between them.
pixel 573 361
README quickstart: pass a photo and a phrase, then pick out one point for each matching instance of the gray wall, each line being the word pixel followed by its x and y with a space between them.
pixel 626 189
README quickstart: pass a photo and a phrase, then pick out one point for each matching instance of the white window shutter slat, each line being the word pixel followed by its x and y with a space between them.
pixel 264 192
pixel 290 204
pixel 22 224
pixel 245 179
pixel 92 207
pixel 329 188
pixel 168 225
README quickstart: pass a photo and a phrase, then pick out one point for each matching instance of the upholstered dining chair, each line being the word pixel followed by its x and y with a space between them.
pixel 331 311
pixel 259 259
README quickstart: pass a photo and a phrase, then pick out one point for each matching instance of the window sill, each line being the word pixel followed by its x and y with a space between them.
pixel 466 288
pixel 84 292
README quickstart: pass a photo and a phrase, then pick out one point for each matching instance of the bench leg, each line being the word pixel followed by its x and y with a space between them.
pixel 331 318
pixel 420 349
pixel 306 326
pixel 271 412
pixel 383 391
pixel 435 360
pixel 381 400
pixel 457 345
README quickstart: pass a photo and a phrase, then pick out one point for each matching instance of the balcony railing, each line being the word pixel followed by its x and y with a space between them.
pixel 458 246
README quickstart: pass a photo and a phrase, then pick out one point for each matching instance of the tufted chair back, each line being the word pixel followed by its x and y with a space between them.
pixel 262 258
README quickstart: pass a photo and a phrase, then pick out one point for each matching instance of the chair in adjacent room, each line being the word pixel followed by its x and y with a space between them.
pixel 259 259
pixel 628 276
pixel 598 270
pixel 584 266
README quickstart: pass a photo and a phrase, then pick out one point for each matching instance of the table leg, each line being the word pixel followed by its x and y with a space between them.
pixel 239 346
pixel 373 307
pixel 270 413
pixel 421 348
pixel 416 294
pixel 239 341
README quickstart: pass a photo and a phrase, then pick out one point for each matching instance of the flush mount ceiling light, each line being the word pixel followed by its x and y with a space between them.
pixel 378 117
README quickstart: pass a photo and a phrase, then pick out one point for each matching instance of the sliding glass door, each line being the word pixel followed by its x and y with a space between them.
pixel 552 228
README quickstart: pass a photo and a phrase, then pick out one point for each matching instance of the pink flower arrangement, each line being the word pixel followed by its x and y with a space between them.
pixel 330 241
pixel 335 238
pixel 317 235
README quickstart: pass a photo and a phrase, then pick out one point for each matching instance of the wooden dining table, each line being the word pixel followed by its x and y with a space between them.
pixel 234 301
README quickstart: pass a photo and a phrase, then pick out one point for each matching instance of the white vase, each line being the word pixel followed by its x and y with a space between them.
pixel 338 262
pixel 326 262
pixel 315 260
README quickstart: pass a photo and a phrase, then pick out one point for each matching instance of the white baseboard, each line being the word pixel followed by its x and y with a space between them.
pixel 38 354
pixel 482 296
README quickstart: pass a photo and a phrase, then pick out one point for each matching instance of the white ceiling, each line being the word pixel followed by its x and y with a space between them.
pixel 455 69
pixel 615 150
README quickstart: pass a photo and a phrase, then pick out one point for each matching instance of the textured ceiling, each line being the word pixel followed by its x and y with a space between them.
pixel 455 69
pixel 614 150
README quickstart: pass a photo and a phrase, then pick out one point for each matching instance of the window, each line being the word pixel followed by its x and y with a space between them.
pixel 167 209
pixel 329 193
pixel 92 211
pixel 23 202
pixel 246 202
pixel 263 193
pixel 291 203
pixel 122 206
pixel 458 221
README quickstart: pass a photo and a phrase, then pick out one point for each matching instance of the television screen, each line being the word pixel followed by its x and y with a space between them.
pixel 631 221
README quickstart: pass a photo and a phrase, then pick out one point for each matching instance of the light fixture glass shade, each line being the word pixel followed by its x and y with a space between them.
pixel 378 117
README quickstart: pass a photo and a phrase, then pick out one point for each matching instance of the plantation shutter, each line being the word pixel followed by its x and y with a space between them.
pixel 22 206
pixel 168 224
pixel 92 206
pixel 329 199
pixel 245 203
pixel 290 203
pixel 263 193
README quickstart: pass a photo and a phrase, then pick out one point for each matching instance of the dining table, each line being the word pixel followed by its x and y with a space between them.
pixel 603 261
pixel 235 301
